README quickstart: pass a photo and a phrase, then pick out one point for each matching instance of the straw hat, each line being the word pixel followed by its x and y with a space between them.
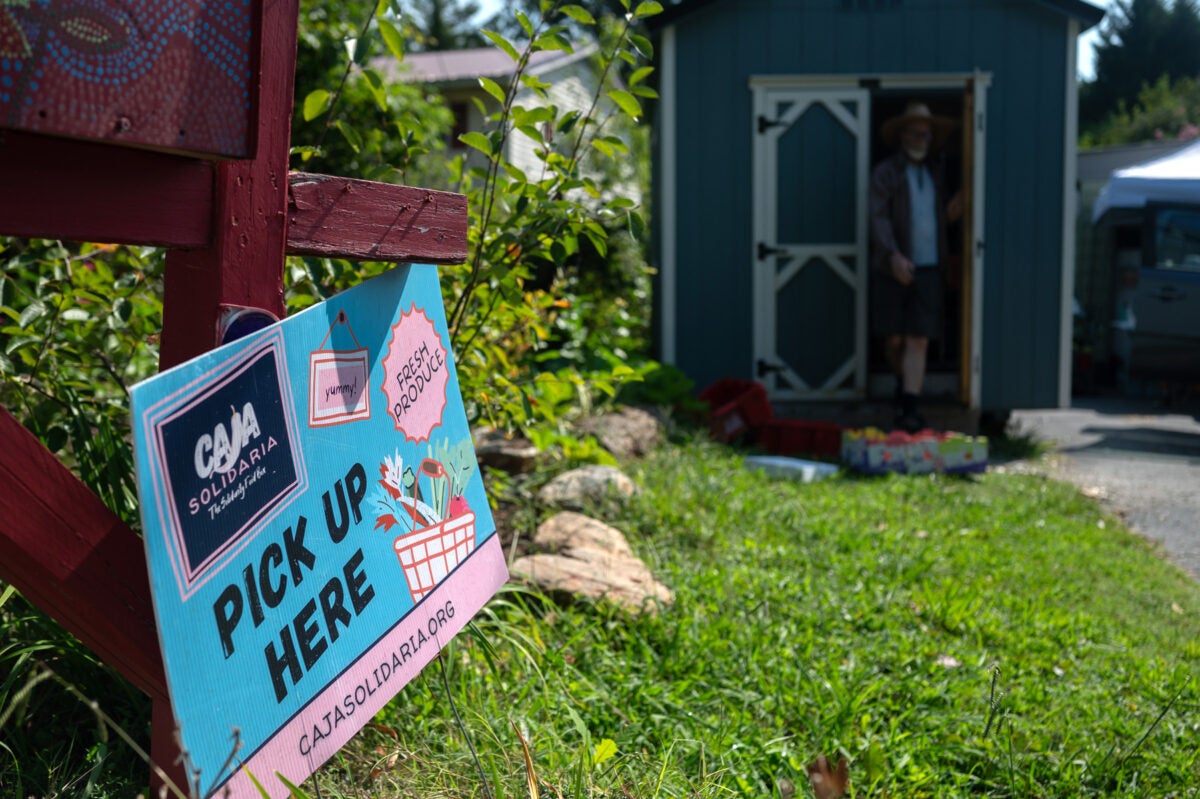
pixel 917 111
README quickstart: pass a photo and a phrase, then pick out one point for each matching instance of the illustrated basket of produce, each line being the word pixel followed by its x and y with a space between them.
pixel 429 554
pixel 428 504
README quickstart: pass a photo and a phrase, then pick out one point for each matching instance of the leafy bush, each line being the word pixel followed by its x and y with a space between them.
pixel 550 316
pixel 81 324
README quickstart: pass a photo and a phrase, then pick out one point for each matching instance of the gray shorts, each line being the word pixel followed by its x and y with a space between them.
pixel 912 310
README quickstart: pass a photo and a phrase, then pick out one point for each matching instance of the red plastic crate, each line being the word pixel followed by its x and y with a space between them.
pixel 801 437
pixel 736 407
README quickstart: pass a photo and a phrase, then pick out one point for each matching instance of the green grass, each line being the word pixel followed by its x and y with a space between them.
pixel 994 636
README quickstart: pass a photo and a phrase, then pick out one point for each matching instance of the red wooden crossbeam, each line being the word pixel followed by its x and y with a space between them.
pixel 79 191
pixel 227 226
pixel 59 188
pixel 71 556
pixel 339 217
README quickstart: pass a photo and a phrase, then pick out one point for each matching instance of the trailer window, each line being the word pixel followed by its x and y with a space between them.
pixel 1177 239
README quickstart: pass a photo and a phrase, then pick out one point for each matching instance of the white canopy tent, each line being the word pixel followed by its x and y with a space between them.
pixel 1173 178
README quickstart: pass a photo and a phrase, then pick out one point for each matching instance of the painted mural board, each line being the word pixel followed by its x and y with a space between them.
pixel 166 74
pixel 315 525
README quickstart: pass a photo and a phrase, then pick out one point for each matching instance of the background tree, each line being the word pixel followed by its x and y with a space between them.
pixel 506 21
pixel 349 119
pixel 1164 111
pixel 444 24
pixel 1140 41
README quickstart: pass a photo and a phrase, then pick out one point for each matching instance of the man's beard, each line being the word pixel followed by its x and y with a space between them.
pixel 916 154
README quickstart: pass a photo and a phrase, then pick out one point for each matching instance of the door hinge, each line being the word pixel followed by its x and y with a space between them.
pixel 765 368
pixel 765 252
pixel 764 123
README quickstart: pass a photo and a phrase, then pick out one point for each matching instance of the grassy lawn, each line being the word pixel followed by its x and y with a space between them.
pixel 997 636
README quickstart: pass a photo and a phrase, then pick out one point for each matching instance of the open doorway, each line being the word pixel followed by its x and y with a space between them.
pixel 815 140
pixel 947 355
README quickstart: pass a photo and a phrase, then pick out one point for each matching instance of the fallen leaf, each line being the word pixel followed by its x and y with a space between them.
pixel 827 782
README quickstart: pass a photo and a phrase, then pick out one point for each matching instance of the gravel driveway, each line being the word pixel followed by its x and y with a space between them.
pixel 1141 459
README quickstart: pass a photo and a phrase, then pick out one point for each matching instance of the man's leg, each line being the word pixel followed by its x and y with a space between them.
pixel 893 349
pixel 913 376
pixel 912 366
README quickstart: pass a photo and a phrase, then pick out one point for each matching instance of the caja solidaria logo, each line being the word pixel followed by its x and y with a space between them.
pixel 221 453
pixel 229 459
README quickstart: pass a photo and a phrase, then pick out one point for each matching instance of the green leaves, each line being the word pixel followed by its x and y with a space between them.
pixel 502 43
pixel 316 103
pixel 647 8
pixel 350 134
pixel 578 13
pixel 32 312
pixel 626 102
pixel 478 141
pixel 77 326
pixel 494 89
pixel 391 37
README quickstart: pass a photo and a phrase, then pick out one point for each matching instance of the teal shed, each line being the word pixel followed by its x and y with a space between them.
pixel 765 134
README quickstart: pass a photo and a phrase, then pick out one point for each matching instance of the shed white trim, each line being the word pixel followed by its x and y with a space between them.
pixel 981 81
pixel 916 81
pixel 1070 211
pixel 669 189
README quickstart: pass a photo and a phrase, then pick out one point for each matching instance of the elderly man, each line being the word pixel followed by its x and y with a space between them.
pixel 909 214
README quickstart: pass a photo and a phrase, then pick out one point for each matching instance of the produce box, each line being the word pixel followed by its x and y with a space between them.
pixel 873 451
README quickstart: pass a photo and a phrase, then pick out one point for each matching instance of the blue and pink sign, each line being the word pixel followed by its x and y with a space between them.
pixel 315 524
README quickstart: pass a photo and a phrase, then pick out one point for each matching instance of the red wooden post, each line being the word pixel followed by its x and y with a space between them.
pixel 243 262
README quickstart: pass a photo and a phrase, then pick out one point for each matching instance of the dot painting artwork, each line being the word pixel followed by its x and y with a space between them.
pixel 165 74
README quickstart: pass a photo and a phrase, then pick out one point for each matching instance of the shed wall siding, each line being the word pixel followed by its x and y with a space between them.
pixel 1022 45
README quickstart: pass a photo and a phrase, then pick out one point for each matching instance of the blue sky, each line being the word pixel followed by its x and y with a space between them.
pixel 1086 42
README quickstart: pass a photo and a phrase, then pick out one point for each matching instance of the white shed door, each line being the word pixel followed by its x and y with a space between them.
pixel 811 150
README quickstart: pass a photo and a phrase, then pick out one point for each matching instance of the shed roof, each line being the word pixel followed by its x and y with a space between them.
pixel 1087 14
pixel 448 66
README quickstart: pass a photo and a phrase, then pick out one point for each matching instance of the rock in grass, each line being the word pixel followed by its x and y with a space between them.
pixel 580 557
pixel 578 487
pixel 513 455
pixel 626 433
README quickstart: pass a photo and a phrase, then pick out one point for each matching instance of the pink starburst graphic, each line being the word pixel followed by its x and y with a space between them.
pixel 415 372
